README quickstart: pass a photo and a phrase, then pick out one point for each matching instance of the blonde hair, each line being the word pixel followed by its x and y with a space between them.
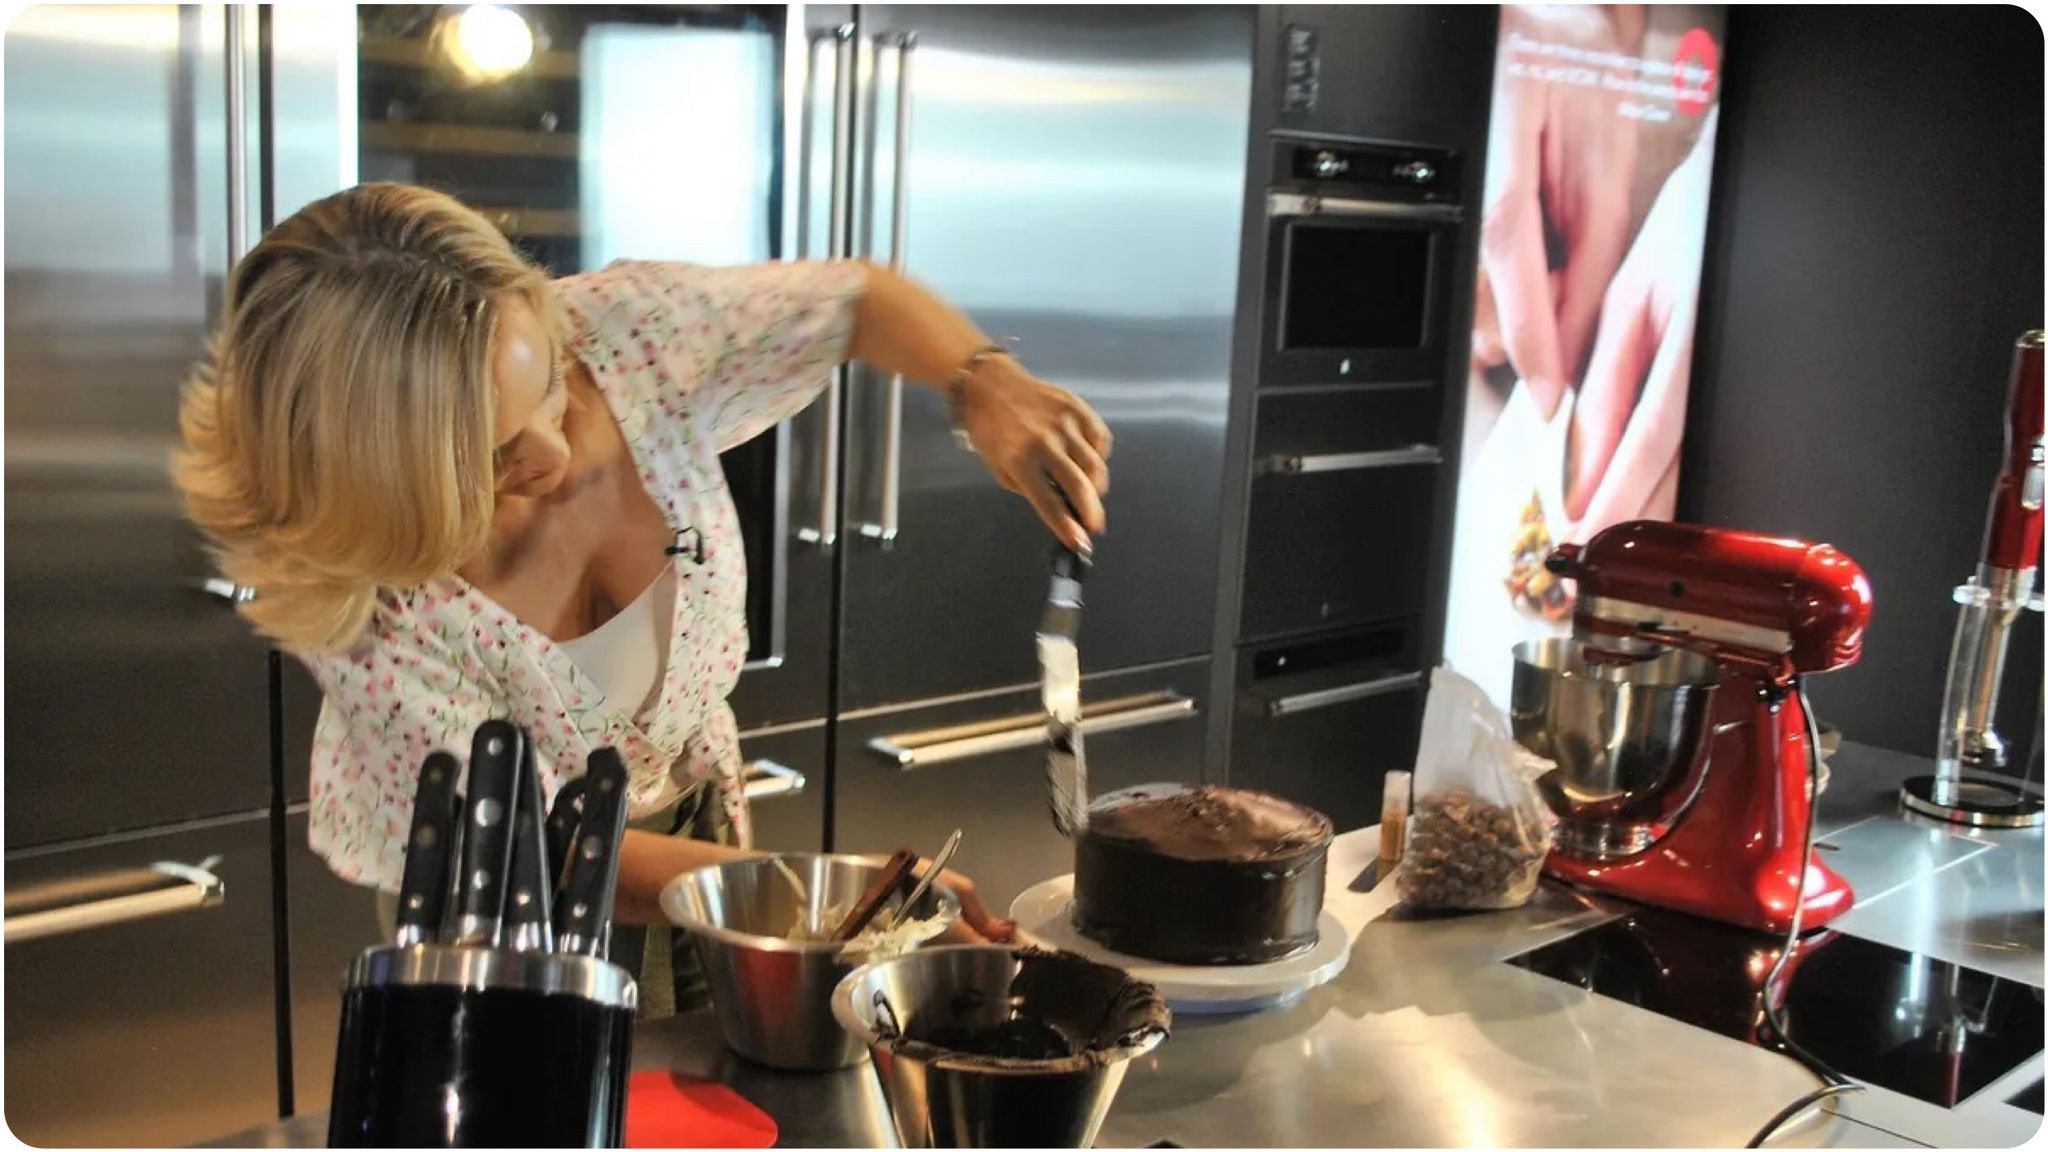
pixel 338 438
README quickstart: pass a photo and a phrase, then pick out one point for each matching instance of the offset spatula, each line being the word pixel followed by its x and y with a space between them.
pixel 1059 662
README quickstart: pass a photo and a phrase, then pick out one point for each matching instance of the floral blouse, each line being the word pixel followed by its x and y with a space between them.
pixel 691 361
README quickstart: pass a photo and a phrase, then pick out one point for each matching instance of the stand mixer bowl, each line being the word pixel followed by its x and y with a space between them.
pixel 1624 732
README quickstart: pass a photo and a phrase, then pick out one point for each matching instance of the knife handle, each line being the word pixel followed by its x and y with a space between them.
pixel 893 876
pixel 527 924
pixel 563 817
pixel 586 906
pixel 423 890
pixel 487 832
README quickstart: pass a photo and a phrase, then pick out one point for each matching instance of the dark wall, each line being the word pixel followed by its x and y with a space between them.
pixel 1876 248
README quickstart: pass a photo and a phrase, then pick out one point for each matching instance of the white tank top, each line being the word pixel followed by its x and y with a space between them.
pixel 627 655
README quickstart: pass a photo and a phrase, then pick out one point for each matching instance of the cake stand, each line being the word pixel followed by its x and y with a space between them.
pixel 1045 913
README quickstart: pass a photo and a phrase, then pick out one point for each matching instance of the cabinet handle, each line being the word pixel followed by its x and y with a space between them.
pixel 222 588
pixel 909 750
pixel 885 525
pixel 826 533
pixel 1342 694
pixel 1285 465
pixel 765 780
pixel 117 898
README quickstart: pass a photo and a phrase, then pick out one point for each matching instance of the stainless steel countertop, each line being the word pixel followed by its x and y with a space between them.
pixel 1428 1040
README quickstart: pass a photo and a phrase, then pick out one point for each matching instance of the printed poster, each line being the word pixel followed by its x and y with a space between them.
pixel 1598 171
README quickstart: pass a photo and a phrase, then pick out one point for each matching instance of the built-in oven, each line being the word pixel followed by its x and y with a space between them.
pixel 1360 245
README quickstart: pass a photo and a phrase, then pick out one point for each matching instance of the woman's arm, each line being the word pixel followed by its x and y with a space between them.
pixel 648 861
pixel 1031 434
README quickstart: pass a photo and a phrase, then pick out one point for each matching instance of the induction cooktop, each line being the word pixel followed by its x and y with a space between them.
pixel 1899 1020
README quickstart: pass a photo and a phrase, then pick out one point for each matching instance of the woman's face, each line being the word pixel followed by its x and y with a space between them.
pixel 532 454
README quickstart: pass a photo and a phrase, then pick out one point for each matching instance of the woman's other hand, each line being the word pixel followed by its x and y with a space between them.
pixel 1033 436
pixel 977 925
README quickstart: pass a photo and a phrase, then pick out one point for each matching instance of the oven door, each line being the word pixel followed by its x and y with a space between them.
pixel 1356 290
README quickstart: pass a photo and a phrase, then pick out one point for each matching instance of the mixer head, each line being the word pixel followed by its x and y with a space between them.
pixel 1734 596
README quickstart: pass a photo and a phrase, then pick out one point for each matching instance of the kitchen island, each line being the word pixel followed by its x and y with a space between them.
pixel 1430 1039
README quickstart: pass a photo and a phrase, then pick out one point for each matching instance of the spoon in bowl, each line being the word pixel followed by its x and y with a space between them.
pixel 924 885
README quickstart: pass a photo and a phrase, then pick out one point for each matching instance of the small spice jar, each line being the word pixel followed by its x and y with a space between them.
pixel 1394 819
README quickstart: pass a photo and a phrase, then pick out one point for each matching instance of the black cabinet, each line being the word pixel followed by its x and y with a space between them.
pixel 1322 723
pixel 1400 72
pixel 785 775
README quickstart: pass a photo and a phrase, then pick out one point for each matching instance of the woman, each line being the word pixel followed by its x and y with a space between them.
pixel 458 490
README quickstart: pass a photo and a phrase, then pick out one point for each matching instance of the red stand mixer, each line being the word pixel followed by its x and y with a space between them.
pixel 1676 716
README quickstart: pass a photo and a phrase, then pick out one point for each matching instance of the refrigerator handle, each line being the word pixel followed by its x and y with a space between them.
pixel 236 66
pixel 940 746
pixel 826 531
pixel 884 527
pixel 62 907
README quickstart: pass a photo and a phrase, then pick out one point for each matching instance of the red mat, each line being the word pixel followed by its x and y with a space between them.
pixel 671 1110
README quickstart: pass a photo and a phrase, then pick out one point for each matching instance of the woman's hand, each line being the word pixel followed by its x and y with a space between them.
pixel 1040 442
pixel 1031 434
pixel 977 925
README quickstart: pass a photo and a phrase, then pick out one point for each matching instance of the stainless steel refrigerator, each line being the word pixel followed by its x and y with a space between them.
pixel 1072 176
pixel 141 940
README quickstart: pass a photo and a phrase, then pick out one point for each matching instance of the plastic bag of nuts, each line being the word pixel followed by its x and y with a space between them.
pixel 1480 829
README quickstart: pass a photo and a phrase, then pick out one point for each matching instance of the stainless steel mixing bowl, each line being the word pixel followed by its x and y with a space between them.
pixel 772 994
pixel 940 1098
pixel 1626 738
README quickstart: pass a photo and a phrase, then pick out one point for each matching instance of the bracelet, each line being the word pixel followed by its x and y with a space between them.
pixel 956 390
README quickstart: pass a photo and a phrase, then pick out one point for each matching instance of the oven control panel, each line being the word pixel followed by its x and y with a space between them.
pixel 1364 169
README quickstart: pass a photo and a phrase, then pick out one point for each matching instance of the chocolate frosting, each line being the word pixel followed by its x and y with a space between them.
pixel 1210 823
pixel 1062 1013
pixel 1200 875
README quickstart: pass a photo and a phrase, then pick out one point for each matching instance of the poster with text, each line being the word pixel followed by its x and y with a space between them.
pixel 1598 168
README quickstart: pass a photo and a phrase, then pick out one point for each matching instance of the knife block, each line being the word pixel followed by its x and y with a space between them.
pixel 457 1047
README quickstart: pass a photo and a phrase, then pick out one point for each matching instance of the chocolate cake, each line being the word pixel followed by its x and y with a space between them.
pixel 1200 875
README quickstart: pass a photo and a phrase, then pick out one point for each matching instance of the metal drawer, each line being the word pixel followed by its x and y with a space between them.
pixel 1343 508
pixel 1329 549
pixel 151 1031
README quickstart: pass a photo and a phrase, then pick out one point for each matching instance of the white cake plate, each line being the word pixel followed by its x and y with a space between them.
pixel 1045 911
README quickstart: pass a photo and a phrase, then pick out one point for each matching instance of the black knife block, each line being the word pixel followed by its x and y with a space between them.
pixel 450 1047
